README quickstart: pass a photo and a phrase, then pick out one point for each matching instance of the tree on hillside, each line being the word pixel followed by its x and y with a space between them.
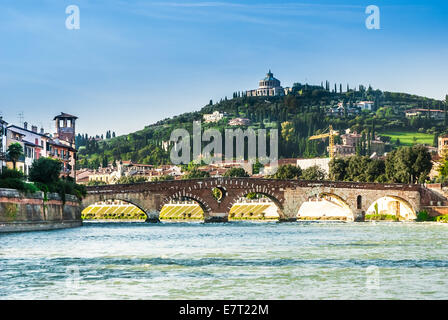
pixel 408 164
pixel 196 174
pixel 443 166
pixel 288 171
pixel 236 173
pixel 313 173
pixel 445 121
pixel 338 169
pixel 15 151
pixel 163 178
pixel 131 179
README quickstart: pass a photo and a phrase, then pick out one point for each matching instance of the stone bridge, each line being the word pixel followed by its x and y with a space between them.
pixel 288 195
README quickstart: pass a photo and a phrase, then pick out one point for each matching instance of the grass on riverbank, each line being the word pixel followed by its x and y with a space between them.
pixel 381 217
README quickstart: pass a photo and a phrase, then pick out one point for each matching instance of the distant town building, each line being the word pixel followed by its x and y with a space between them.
pixel 3 136
pixel 342 109
pixel 111 174
pixel 422 112
pixel 365 105
pixel 213 117
pixel 442 144
pixel 239 122
pixel 323 163
pixel 269 86
pixel 351 139
pixel 38 144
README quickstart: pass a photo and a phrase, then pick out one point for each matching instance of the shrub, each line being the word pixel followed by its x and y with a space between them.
pixel 423 216
pixel 45 170
pixel 382 217
pixel 18 184
pixel 11 173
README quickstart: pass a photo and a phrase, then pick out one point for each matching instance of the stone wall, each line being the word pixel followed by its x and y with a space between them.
pixel 29 212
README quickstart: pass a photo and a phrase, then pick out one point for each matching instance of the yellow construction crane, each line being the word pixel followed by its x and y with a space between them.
pixel 331 133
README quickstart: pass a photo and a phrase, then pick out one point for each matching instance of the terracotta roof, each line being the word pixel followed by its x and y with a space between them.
pixel 65 115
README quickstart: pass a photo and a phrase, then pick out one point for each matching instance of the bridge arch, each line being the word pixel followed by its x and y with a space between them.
pixel 86 205
pixel 393 205
pixel 325 205
pixel 187 195
pixel 243 194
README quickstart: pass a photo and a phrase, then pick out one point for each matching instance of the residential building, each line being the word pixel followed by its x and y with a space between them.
pixel 213 117
pixel 239 122
pixel 39 139
pixel 365 105
pixel 3 136
pixel 13 136
pixel 40 144
pixel 442 144
pixel 351 139
pixel 424 112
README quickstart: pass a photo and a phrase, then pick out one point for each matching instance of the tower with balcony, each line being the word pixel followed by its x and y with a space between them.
pixel 65 127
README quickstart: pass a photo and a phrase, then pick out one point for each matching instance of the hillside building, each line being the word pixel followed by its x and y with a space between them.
pixel 442 144
pixel 213 117
pixel 422 112
pixel 269 86
pixel 3 134
pixel 239 122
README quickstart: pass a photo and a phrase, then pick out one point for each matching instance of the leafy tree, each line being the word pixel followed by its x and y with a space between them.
pixel 338 170
pixel 15 151
pixel 256 167
pixel 131 179
pixel 96 183
pixel 422 163
pixel 45 170
pixel 163 178
pixel 288 171
pixel 408 164
pixel 236 173
pixel 313 173
pixel 196 174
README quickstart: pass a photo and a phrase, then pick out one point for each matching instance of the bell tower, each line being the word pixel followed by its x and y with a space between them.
pixel 65 127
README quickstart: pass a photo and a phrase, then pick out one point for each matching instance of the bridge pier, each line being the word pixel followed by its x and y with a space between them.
pixel 152 217
pixel 216 219
pixel 287 219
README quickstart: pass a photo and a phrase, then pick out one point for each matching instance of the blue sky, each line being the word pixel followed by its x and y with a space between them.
pixel 135 62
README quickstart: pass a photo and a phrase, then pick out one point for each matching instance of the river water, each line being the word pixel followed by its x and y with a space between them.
pixel 238 260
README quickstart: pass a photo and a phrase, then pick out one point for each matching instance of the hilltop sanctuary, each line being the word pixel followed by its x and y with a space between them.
pixel 269 86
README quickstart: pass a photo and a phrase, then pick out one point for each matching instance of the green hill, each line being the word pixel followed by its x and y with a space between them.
pixel 300 114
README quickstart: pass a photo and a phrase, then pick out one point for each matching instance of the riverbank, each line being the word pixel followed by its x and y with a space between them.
pixel 37 212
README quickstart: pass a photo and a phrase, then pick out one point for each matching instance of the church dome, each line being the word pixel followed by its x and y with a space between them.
pixel 269 81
